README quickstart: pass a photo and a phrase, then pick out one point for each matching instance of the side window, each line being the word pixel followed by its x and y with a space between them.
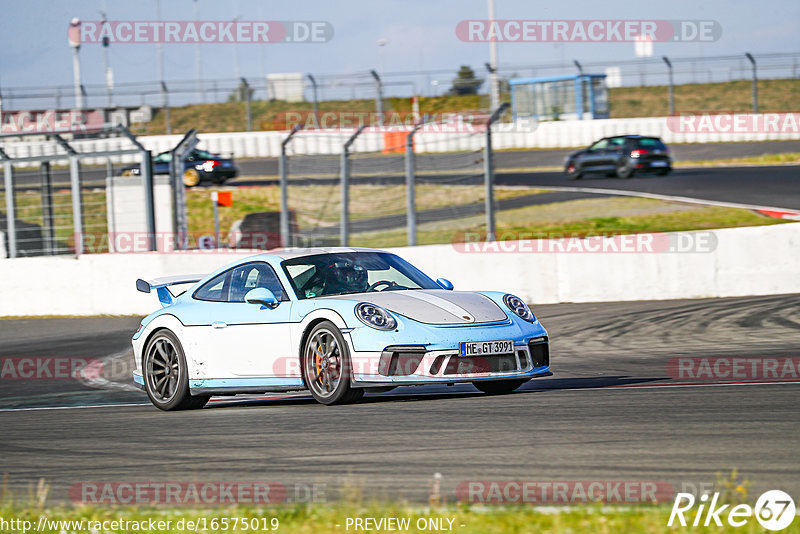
pixel 600 145
pixel 253 275
pixel 216 289
pixel 616 143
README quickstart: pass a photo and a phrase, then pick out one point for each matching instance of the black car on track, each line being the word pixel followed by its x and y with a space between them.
pixel 198 166
pixel 622 156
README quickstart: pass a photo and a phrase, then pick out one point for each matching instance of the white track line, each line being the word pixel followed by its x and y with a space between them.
pixel 688 200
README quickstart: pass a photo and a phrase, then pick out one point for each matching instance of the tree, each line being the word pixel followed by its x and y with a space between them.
pixel 465 82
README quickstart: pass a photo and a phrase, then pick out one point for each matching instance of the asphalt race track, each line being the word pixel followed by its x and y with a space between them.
pixel 771 186
pixel 610 412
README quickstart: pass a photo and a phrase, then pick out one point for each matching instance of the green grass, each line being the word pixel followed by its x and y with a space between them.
pixel 95 221
pixel 320 205
pixel 578 218
pixel 648 101
pixel 652 101
pixel 764 159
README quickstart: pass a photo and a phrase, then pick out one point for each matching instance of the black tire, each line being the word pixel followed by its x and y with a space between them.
pixel 663 172
pixel 326 366
pixel 498 387
pixel 166 377
pixel 623 170
pixel 572 171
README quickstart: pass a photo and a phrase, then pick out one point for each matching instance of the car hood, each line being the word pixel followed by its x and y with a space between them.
pixel 434 306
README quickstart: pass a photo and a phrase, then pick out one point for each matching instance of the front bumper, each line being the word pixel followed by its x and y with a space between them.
pixel 415 365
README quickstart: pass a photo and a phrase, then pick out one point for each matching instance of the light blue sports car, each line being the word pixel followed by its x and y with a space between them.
pixel 335 321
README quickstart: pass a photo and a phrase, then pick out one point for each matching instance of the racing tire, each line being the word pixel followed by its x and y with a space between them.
pixel 191 177
pixel 166 376
pixel 623 171
pixel 572 172
pixel 498 387
pixel 326 366
pixel 663 172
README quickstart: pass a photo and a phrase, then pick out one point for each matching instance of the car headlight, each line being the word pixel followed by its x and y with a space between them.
pixel 375 316
pixel 518 306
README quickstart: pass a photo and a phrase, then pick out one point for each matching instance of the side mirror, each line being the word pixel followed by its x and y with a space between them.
pixel 263 296
pixel 445 283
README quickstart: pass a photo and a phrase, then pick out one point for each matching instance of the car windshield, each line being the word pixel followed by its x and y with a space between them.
pixel 353 272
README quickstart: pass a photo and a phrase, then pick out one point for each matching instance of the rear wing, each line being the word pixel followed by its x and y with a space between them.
pixel 165 297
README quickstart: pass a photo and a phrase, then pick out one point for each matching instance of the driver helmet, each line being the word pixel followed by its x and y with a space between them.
pixel 346 277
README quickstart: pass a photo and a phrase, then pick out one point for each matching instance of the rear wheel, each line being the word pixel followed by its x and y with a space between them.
pixel 166 377
pixel 498 387
pixel 191 177
pixel 663 172
pixel 327 368
pixel 623 170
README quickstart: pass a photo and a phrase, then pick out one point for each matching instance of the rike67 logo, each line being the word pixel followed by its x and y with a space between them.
pixel 774 510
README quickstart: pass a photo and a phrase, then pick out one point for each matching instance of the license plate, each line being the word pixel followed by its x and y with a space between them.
pixel 658 163
pixel 486 348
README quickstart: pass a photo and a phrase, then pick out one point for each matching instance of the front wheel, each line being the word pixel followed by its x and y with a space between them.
pixel 166 377
pixel 498 387
pixel 326 366
pixel 572 171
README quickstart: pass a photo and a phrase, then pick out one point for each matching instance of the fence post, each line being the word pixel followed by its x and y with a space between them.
pixel 411 208
pixel 316 101
pixel 344 219
pixel 488 172
pixel 176 169
pixel 671 86
pixel 11 225
pixel 755 81
pixel 46 193
pixel 246 90
pixel 77 202
pixel 165 104
pixel 146 167
pixel 283 174
pixel 379 95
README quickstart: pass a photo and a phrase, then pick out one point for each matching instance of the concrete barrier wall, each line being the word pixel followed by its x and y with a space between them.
pixel 554 134
pixel 746 261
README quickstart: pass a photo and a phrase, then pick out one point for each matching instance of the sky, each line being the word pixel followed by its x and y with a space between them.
pixel 418 35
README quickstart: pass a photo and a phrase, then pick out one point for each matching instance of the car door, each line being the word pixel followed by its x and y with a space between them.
pixel 594 155
pixel 613 152
pixel 240 339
